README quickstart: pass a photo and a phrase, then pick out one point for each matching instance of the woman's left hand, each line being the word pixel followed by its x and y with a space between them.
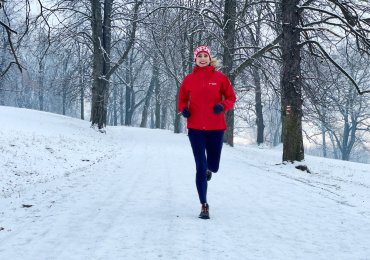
pixel 218 108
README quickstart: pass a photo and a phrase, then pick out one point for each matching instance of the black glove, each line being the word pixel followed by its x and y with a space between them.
pixel 218 108
pixel 185 112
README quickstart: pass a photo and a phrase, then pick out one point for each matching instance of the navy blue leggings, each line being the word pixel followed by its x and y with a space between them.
pixel 207 146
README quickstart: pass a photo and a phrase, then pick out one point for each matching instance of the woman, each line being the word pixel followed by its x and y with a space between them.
pixel 205 95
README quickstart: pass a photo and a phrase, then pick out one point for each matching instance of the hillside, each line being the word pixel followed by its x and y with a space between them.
pixel 69 192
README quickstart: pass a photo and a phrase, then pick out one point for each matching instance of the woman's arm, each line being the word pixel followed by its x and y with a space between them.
pixel 183 98
pixel 228 93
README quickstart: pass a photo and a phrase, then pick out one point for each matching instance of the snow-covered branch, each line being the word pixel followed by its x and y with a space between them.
pixel 361 92
pixel 256 55
pixel 9 32
pixel 354 27
pixel 131 39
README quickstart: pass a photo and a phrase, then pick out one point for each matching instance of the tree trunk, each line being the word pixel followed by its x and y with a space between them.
pixel 99 92
pixel 228 55
pixel 152 123
pixel 177 125
pixel 128 96
pixel 255 39
pixel 41 85
pixel 157 92
pixel 82 100
pixel 258 105
pixel 276 123
pixel 349 137
pixel 2 65
pixel 102 70
pixel 291 83
pixel 153 82
pixel 64 101
pixel 101 36
pixel 164 117
pixel 65 83
pixel 121 110
pixel 128 106
pixel 177 121
pixel 334 145
pixel 324 146
pixel 144 114
pixel 81 74
pixel 279 30
pixel 115 112
pixel 345 149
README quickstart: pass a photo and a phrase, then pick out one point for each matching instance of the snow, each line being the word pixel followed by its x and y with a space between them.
pixel 130 194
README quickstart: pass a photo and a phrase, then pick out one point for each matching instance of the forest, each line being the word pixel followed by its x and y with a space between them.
pixel 300 68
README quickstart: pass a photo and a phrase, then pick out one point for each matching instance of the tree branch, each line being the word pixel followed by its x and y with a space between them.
pixel 131 40
pixel 336 65
pixel 256 55
pixel 9 32
pixel 344 21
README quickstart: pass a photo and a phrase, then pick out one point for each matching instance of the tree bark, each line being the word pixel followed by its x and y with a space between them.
pixel 82 100
pixel 157 92
pixel 41 85
pixel 99 89
pixel 152 123
pixel 65 83
pixel 81 74
pixel 255 38
pixel 164 117
pixel 291 83
pixel 153 82
pixel 2 65
pixel 64 101
pixel 228 55
pixel 177 121
pixel 324 146
pixel 129 105
pixel 115 108
pixel 121 110
pixel 128 93
pixel 102 70
pixel 349 134
pixel 258 105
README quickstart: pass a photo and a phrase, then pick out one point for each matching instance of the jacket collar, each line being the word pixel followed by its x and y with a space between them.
pixel 204 69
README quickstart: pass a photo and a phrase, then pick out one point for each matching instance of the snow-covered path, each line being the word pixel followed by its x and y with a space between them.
pixel 139 201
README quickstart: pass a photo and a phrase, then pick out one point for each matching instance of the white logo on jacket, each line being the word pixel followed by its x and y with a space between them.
pixel 212 83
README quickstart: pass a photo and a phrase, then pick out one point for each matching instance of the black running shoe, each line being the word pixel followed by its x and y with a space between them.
pixel 204 214
pixel 209 175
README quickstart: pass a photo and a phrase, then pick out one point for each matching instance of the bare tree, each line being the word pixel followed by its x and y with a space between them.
pixel 335 105
pixel 9 33
pixel 299 19
pixel 101 24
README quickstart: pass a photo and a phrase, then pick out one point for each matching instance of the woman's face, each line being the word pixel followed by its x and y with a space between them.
pixel 203 59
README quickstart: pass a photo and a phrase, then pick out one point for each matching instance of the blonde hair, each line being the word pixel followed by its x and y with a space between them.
pixel 215 62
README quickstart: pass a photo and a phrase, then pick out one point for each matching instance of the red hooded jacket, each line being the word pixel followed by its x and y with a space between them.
pixel 200 91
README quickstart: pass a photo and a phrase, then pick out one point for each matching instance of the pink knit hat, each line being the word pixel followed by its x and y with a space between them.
pixel 202 48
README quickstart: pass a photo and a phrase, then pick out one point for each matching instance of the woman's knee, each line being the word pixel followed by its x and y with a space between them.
pixel 213 168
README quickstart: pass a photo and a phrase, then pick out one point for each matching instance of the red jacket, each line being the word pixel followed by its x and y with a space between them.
pixel 200 91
